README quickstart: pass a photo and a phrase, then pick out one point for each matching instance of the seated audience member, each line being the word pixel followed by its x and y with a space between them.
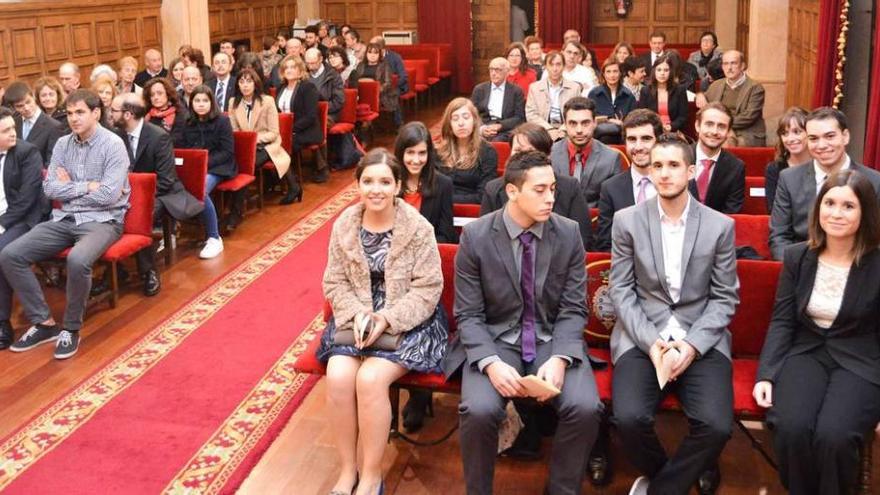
pixel 569 202
pixel 356 49
pixel 623 51
pixel 684 308
pixel 571 35
pixel 164 107
pixel 683 72
pixel 21 209
pixel 208 129
pixel 507 329
pixel 281 41
pixel 50 98
pixel 613 102
pixel 572 54
pixel 329 83
pixel 519 72
pixel 714 72
pixel 634 73
pixel 827 138
pixel 31 124
pixel 223 82
pixel 103 71
pixel 338 61
pixel 192 78
pixel 312 40
pixel 708 51
pixel 91 191
pixel 466 158
pixel 579 155
pixel 535 55
pixel 193 57
pixel 105 88
pixel 744 97
pixel 151 150
pixel 175 73
pixel 548 97
pixel 153 67
pixel 128 68
pixel 324 33
pixel 500 103
pixel 791 150
pixel 300 97
pixel 384 266
pixel 269 57
pixel 295 47
pixel 641 128
pixel 375 68
pixel 818 371
pixel 69 77
pixel 253 110
pixel 589 60
pixel 657 45
pixel 228 48
pixel 395 63
pixel 666 97
pixel 719 177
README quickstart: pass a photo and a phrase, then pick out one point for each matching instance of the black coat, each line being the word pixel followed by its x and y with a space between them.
pixel 143 76
pixel 23 186
pixel 727 187
pixel 231 89
pixel 513 109
pixel 306 124
pixel 43 135
pixel 437 209
pixel 330 89
pixel 677 104
pixel 615 194
pixel 852 340
pixel 216 137
pixel 771 180
pixel 469 184
pixel 570 203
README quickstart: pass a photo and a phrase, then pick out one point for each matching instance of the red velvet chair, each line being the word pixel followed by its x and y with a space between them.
pixel 756 159
pixel 420 83
pixel 245 157
pixel 624 160
pixel 503 151
pixel 410 96
pixel 754 231
pixel 285 130
pixel 348 116
pixel 368 94
pixel 323 107
pixel 465 210
pixel 755 202
pixel 192 169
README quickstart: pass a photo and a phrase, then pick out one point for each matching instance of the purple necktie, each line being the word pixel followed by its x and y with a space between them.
pixel 527 283
pixel 643 188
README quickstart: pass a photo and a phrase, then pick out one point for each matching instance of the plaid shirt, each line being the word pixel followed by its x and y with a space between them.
pixel 103 159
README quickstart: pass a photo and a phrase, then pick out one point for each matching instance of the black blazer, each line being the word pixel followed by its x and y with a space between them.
pixel 851 340
pixel 615 194
pixel 23 186
pixel 771 180
pixel 43 135
pixel 231 90
pixel 216 137
pixel 143 76
pixel 569 203
pixel 513 110
pixel 438 210
pixel 468 185
pixel 727 187
pixel 306 124
pixel 677 104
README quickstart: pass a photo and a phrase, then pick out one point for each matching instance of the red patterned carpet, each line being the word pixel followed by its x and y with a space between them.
pixel 191 407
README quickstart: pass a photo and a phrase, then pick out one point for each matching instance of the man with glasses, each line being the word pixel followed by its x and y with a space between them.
pixel 501 104
pixel 744 97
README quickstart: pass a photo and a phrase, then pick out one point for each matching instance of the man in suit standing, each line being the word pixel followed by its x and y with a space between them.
pixel 827 139
pixel 21 176
pixel 720 181
pixel 744 97
pixel 31 124
pixel 224 82
pixel 153 67
pixel 675 291
pixel 520 307
pixel 641 128
pixel 501 104
pixel 579 155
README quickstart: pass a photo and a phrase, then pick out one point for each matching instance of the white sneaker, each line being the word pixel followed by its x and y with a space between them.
pixel 213 247
pixel 161 246
pixel 640 486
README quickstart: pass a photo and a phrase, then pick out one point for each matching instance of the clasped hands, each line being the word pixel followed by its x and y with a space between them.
pixel 490 130
pixel 378 325
pixel 64 177
pixel 686 356
pixel 506 379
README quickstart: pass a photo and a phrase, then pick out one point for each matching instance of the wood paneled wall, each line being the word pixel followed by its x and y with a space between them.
pixel 743 10
pixel 682 20
pixel 250 20
pixel 372 17
pixel 491 28
pixel 38 36
pixel 803 29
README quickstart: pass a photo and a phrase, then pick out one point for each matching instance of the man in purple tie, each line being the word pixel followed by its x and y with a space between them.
pixel 720 178
pixel 520 292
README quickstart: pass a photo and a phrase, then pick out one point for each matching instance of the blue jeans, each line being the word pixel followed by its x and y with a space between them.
pixel 209 214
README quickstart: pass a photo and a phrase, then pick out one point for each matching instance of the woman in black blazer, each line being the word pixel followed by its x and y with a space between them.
pixel 819 371
pixel 297 95
pixel 207 128
pixel 665 97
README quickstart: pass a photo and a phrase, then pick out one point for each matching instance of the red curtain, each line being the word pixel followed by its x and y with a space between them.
pixel 555 16
pixel 826 63
pixel 449 21
pixel 872 133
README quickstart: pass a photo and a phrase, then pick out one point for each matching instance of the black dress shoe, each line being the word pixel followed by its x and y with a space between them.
pixel 709 481
pixel 233 221
pixel 103 285
pixel 599 469
pixel 6 335
pixel 151 283
pixel 321 176
pixel 417 407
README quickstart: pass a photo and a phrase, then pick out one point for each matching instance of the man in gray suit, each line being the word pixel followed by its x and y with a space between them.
pixel 520 290
pixel 674 291
pixel 579 155
pixel 827 138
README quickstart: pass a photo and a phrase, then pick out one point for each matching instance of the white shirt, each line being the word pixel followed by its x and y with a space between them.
pixel 654 57
pixel 650 190
pixel 821 175
pixel 699 165
pixel 496 101
pixel 30 123
pixel 285 100
pixel 672 236
pixel 135 136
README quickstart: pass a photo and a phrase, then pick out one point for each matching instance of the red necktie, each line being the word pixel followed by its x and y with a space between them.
pixel 703 179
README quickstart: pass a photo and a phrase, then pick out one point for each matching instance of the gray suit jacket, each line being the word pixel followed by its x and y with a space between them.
pixel 488 299
pixel 602 164
pixel 639 291
pixel 795 195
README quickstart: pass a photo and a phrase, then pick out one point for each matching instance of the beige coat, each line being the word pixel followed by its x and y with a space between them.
pixel 538 101
pixel 413 277
pixel 748 116
pixel 264 121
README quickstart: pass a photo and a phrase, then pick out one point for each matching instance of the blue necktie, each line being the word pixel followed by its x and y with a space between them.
pixel 527 284
pixel 221 101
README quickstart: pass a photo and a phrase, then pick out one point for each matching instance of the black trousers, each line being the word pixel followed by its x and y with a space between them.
pixel 819 416
pixel 705 391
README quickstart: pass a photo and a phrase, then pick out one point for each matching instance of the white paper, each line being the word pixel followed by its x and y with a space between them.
pixel 757 192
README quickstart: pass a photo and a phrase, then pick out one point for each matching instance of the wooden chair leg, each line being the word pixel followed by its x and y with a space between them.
pixel 299 167
pixel 166 237
pixel 114 285
pixel 260 180
pixel 865 474
pixel 394 390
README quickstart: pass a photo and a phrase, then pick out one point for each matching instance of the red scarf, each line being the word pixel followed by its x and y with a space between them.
pixel 166 115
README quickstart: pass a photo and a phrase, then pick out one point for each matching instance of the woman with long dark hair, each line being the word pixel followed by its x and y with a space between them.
pixel 791 150
pixel 164 108
pixel 665 96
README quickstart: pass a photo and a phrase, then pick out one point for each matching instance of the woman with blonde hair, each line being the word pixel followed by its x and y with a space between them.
pixel 50 98
pixel 622 51
pixel 128 67
pixel 467 159
pixel 106 90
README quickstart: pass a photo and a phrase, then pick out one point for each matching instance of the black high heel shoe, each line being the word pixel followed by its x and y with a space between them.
pixel 294 190
pixel 290 198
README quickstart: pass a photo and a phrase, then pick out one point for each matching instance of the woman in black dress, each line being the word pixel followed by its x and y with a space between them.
pixel 466 158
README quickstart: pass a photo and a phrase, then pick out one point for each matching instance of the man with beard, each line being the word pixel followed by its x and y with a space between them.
pixel 579 155
pixel 674 289
pixel 720 180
